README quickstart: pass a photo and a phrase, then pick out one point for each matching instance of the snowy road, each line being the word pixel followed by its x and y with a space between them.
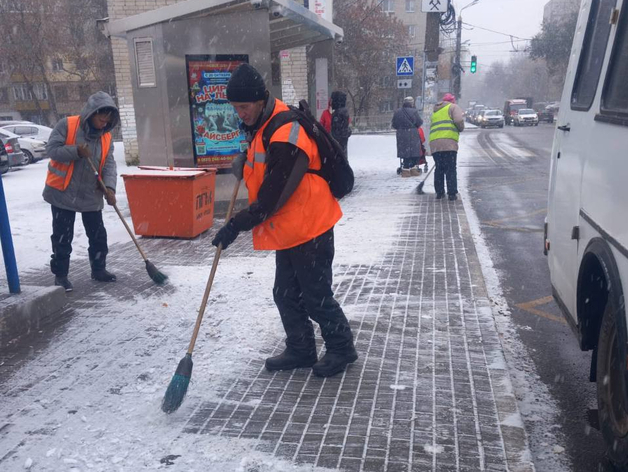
pixel 507 175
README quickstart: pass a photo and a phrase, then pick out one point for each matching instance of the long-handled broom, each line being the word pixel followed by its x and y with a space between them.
pixel 419 189
pixel 157 276
pixel 181 379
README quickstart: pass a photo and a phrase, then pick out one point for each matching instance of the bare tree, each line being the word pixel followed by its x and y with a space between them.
pixel 553 44
pixel 45 39
pixel 27 28
pixel 372 40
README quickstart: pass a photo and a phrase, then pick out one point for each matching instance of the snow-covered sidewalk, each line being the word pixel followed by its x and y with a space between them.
pixel 430 391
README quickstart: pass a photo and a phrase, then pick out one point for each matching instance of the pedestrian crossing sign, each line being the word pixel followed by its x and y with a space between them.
pixel 405 66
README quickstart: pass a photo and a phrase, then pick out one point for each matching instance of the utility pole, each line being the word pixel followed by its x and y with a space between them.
pixel 430 62
pixel 457 67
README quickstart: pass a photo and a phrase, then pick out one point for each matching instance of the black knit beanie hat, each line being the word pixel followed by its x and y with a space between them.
pixel 246 85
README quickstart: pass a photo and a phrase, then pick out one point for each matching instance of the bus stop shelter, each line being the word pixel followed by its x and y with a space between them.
pixel 181 57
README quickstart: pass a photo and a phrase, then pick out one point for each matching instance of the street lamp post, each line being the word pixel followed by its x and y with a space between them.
pixel 457 67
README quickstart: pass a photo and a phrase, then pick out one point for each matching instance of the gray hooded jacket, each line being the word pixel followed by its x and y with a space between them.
pixel 83 193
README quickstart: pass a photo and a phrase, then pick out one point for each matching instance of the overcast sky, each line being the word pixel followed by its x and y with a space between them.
pixel 521 18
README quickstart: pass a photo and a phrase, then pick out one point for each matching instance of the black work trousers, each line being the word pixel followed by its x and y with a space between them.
pixel 302 291
pixel 446 169
pixel 63 234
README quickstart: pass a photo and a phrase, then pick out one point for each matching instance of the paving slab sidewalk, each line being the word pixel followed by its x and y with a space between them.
pixel 430 392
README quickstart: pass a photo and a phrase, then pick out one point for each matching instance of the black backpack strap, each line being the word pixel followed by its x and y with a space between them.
pixel 276 122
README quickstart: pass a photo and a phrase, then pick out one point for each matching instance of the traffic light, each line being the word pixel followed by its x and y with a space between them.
pixel 474 64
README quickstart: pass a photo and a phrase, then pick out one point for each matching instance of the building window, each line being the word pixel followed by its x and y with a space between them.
pixel 410 6
pixel 57 64
pixel 41 92
pixel 61 93
pixel 411 31
pixel 388 6
pixel 21 93
pixel 4 95
pixel 386 81
pixel 386 106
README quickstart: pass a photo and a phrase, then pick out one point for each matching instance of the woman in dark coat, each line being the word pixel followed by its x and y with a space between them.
pixel 407 122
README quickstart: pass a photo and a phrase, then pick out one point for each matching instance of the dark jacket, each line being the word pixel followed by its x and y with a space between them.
pixel 83 193
pixel 340 129
pixel 407 122
pixel 286 166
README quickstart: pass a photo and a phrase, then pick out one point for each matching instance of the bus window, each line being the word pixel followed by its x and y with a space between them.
pixel 592 54
pixel 615 96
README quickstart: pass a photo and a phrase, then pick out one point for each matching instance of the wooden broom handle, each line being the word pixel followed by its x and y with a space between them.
pixel 212 273
pixel 115 207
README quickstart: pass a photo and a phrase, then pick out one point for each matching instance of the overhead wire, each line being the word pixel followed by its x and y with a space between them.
pixel 448 20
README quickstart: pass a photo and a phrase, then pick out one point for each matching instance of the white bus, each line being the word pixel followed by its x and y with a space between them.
pixel 586 230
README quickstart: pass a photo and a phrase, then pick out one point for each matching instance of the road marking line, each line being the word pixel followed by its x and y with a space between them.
pixel 516 217
pixel 530 307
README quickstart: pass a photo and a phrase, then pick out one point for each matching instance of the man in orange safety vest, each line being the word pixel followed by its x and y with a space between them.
pixel 293 212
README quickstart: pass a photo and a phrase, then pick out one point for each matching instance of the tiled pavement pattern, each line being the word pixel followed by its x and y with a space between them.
pixel 430 391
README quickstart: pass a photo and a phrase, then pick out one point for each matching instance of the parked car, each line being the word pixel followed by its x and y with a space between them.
pixel 34 149
pixel 26 129
pixel 526 117
pixel 491 118
pixel 586 240
pixel 13 149
pixel 4 159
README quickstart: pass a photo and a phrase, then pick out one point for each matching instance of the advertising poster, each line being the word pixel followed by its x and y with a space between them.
pixel 215 124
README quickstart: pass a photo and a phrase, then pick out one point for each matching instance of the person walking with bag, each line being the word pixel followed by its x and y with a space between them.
pixel 293 212
pixel 447 124
pixel 340 121
pixel 407 122
pixel 71 186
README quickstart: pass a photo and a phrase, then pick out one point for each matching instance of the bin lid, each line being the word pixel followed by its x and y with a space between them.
pixel 192 169
pixel 164 174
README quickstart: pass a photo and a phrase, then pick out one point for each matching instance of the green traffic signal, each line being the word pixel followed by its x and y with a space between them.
pixel 474 64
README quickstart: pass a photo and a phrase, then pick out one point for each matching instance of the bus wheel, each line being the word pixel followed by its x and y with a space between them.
pixel 612 384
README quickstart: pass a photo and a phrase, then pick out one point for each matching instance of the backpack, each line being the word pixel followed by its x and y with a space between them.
pixel 335 168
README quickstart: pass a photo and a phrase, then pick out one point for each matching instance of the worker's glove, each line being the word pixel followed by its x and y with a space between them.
pixel 226 235
pixel 237 165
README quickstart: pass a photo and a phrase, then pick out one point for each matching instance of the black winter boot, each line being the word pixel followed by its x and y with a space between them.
pixel 103 275
pixel 333 363
pixel 62 281
pixel 289 360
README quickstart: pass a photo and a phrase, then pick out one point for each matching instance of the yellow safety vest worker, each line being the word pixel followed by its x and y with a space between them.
pixel 443 127
pixel 311 209
pixel 59 173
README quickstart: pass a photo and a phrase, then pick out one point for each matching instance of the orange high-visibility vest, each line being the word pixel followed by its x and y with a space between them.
pixel 311 209
pixel 59 173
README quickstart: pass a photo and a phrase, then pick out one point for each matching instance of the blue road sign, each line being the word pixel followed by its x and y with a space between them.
pixel 405 66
